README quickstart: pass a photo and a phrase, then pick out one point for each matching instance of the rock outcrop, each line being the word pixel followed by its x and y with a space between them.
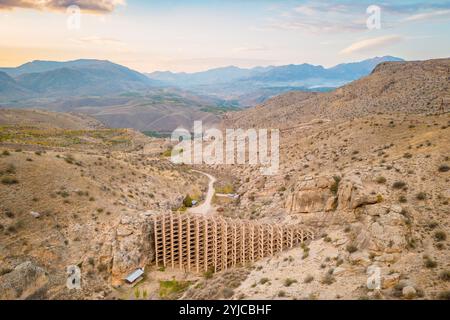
pixel 133 245
pixel 24 282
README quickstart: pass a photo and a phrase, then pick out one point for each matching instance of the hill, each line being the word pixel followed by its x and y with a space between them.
pixel 404 87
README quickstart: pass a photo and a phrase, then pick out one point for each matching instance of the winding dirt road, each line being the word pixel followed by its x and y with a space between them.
pixel 205 207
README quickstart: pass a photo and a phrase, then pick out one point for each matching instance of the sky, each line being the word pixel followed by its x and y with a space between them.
pixel 196 35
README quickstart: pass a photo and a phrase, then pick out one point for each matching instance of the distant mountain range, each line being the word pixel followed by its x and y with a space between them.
pixel 161 101
pixel 251 86
pixel 79 77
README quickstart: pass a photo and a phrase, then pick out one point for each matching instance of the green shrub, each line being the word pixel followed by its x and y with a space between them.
pixel 9 181
pixel 421 196
pixel 288 282
pixel 440 235
pixel 264 280
pixel 187 201
pixel 381 180
pixel 429 263
pixel 399 185
pixel 335 186
pixel 351 248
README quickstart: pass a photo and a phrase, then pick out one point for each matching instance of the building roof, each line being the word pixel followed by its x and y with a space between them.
pixel 132 277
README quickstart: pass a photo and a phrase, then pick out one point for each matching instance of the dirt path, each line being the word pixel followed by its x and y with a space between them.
pixel 206 206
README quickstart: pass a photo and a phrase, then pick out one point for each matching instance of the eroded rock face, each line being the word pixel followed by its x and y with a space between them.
pixel 133 245
pixel 353 193
pixel 315 194
pixel 25 281
pixel 311 195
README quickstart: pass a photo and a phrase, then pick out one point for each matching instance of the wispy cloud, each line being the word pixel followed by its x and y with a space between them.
pixel 89 6
pixel 372 44
pixel 428 16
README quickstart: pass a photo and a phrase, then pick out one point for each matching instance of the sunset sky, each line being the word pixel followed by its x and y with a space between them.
pixel 185 35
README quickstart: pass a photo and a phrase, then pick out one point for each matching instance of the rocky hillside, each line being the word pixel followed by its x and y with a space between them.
pixel 393 87
pixel 366 166
pixel 75 194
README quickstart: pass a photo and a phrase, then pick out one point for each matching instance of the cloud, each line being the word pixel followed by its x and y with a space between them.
pixel 89 6
pixel 428 16
pixel 372 44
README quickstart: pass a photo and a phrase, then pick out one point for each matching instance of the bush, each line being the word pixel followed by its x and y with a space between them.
pixel 399 185
pixel 402 199
pixel 208 274
pixel 335 186
pixel 445 275
pixel 187 202
pixel 421 196
pixel 308 279
pixel 440 235
pixel 9 181
pixel 288 282
pixel 381 180
pixel 407 155
pixel 5 153
pixel 281 294
pixel 429 263
pixel 444 168
pixel 351 248
pixel 264 280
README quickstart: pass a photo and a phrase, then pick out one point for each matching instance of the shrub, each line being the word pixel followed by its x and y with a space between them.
pixel 335 186
pixel 402 199
pixel 351 248
pixel 444 295
pixel 381 180
pixel 399 184
pixel 407 155
pixel 308 279
pixel 440 235
pixel 421 196
pixel 445 275
pixel 281 294
pixel 444 168
pixel 187 201
pixel 208 274
pixel 429 263
pixel 5 153
pixel 264 280
pixel 288 282
pixel 9 181
pixel 11 169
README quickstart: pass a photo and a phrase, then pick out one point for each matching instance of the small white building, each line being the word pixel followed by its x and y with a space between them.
pixel 135 277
